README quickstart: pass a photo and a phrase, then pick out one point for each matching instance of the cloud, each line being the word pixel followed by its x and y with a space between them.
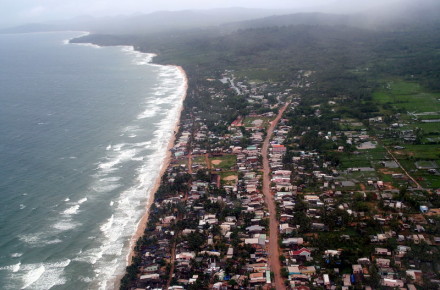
pixel 33 12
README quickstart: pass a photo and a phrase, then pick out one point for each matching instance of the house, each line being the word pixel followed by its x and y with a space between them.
pixel 293 241
pixel 416 275
pixel 255 229
pixel 303 252
pixel 286 229
pixel 326 279
pixel 257 278
pixel 392 283
pixel 151 268
pixel 357 269
pixel 230 253
pixel 383 262
pixel 364 261
pixel 332 253
pixel 318 226
pixel 382 251
pixel 149 277
pixel 346 278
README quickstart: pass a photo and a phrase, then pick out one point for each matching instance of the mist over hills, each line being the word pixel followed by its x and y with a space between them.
pixel 160 21
pixel 229 19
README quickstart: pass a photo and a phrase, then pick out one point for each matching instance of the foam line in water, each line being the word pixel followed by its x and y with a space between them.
pixel 43 275
pixel 32 276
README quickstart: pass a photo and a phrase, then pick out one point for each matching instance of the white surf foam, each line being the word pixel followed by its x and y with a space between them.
pixel 75 207
pixel 32 276
pixel 106 188
pixel 108 257
pixel 16 267
pixel 123 155
pixel 148 113
pixel 43 275
pixel 71 210
pixel 107 226
pixel 63 225
pixel 31 239
pixel 13 268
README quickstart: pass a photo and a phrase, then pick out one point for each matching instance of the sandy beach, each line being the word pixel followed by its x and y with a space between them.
pixel 143 222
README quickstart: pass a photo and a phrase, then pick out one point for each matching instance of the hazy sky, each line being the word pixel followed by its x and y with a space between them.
pixel 14 12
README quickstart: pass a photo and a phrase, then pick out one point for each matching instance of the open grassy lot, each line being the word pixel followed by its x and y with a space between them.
pixel 199 160
pixel 420 152
pixel 252 121
pixel 365 158
pixel 225 162
pixel 229 177
pixel 409 96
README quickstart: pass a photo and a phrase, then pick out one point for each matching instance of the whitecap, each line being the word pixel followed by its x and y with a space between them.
pixel 118 147
pixel 124 155
pixel 71 210
pixel 32 276
pixel 31 239
pixel 54 241
pixel 150 112
pixel 131 129
pixel 13 268
pixel 110 179
pixel 16 255
pixel 22 206
pixel 16 267
pixel 107 226
pixel 137 158
pixel 45 275
pixel 106 188
pixel 63 225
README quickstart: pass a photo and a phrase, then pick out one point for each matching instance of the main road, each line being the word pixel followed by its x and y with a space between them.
pixel 273 248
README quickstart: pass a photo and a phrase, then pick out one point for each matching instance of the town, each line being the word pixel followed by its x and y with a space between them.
pixel 267 191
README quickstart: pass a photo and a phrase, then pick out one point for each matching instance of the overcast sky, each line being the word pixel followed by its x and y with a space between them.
pixel 13 12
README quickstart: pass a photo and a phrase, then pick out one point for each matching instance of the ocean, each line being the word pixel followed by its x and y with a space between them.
pixel 83 134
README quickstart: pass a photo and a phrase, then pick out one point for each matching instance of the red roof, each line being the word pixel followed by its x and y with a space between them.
pixel 301 251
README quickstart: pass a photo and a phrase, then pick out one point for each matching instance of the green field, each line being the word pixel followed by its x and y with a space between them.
pixel 199 160
pixel 225 162
pixel 421 152
pixel 266 120
pixel 366 158
pixel 409 96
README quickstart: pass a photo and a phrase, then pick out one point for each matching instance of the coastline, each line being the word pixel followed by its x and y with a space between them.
pixel 142 223
pixel 166 162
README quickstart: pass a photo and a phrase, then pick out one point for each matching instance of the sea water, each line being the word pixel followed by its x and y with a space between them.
pixel 83 134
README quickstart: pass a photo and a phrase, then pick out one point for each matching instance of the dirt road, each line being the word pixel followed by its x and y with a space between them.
pixel 274 251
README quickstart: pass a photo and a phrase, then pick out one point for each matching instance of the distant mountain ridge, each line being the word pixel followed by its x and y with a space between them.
pixel 230 19
pixel 159 21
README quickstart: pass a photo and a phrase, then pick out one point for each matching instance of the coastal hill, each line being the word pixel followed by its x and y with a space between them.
pixel 156 22
pixel 226 20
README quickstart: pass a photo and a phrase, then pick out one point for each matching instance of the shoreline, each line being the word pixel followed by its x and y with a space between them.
pixel 142 223
pixel 166 162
